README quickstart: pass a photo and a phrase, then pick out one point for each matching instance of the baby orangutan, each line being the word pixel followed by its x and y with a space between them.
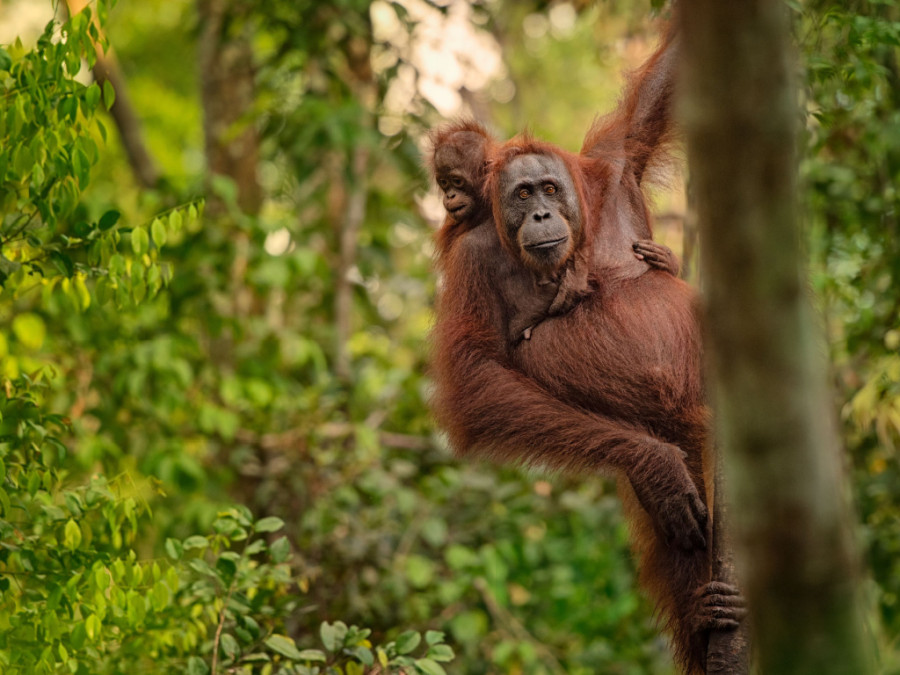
pixel 459 161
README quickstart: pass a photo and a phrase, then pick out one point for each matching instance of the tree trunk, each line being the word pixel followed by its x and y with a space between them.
pixel 227 87
pixel 348 233
pixel 728 652
pixel 106 69
pixel 787 499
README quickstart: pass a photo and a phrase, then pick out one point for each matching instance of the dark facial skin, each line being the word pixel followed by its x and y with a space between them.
pixel 459 172
pixel 540 210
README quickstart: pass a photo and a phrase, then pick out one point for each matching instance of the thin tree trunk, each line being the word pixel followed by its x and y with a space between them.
pixel 362 83
pixel 227 89
pixel 787 498
pixel 728 652
pixel 352 221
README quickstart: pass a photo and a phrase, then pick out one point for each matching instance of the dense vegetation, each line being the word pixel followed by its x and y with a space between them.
pixel 215 450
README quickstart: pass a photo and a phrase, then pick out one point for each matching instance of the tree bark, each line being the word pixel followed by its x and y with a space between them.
pixel 791 521
pixel 728 652
pixel 227 75
pixel 348 233
pixel 106 69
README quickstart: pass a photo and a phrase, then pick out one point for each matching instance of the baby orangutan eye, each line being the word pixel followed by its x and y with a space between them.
pixel 458 182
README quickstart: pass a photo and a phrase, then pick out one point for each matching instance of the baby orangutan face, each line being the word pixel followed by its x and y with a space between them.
pixel 459 171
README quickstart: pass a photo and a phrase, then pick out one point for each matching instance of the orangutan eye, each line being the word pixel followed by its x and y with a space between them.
pixel 458 182
pixel 550 189
pixel 524 193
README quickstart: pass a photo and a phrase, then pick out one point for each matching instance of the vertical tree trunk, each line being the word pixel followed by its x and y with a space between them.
pixel 362 84
pixel 106 69
pixel 348 233
pixel 787 499
pixel 227 86
pixel 728 652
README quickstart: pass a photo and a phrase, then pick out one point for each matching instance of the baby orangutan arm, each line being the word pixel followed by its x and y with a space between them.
pixel 657 255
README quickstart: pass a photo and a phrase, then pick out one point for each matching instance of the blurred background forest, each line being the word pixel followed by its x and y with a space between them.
pixel 215 290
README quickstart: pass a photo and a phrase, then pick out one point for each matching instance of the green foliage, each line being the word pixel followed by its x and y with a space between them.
pixel 187 485
pixel 851 53
pixel 78 592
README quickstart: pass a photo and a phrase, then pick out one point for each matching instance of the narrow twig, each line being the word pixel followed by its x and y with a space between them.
pixel 215 656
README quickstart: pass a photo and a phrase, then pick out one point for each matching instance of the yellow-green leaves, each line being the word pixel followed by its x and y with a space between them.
pixel 158 232
pixel 72 535
pixel 140 242
pixel 29 330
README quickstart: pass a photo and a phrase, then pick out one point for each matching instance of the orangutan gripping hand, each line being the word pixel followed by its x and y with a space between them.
pixel 666 492
pixel 656 255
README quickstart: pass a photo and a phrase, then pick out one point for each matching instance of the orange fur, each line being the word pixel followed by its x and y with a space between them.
pixel 612 385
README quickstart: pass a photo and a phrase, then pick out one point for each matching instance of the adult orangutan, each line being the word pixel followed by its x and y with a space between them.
pixel 614 382
pixel 458 163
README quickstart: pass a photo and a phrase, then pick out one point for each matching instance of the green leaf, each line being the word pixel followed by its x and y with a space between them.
pixel 280 550
pixel 82 166
pixel 258 546
pixel 174 548
pixel 197 666
pixel 429 667
pixel 229 645
pixel 92 96
pixel 363 654
pixel 140 242
pixel 159 596
pixel 81 292
pixel 440 653
pixel 93 626
pixel 328 633
pixel 109 94
pixel 158 232
pixel 101 578
pixel 29 329
pixel 197 541
pixel 63 263
pixel 419 571
pixel 108 219
pixel 270 524
pixel 469 626
pixel 285 646
pixel 83 229
pixel 72 535
pixel 226 565
pixel 408 641
pixel 79 635
pixel 433 637
pixel 312 655
pixel 5 60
